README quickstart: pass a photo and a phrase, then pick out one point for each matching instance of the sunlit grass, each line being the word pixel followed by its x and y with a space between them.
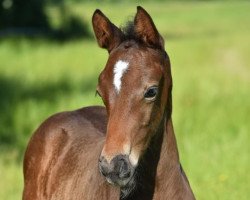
pixel 208 43
pixel 11 176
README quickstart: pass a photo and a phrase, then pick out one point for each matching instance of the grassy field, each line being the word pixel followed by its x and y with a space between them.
pixel 209 46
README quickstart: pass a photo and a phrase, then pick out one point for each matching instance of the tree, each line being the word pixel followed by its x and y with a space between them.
pixel 28 18
pixel 23 13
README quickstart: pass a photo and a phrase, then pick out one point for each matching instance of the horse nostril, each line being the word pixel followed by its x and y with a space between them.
pixel 101 159
pixel 103 166
pixel 122 168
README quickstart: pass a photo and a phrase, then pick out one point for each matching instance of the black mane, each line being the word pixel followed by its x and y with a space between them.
pixel 129 31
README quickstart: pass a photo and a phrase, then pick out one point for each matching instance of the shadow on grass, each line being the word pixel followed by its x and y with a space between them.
pixel 14 94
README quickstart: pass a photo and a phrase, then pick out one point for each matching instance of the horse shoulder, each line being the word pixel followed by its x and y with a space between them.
pixel 58 159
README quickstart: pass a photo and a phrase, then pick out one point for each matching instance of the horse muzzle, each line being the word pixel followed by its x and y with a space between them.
pixel 118 172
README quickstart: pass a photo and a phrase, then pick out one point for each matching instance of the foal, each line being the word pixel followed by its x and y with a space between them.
pixel 133 137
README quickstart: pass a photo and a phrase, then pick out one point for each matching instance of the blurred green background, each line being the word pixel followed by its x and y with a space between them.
pixel 53 65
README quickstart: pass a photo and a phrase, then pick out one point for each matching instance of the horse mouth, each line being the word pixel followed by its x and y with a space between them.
pixel 118 181
pixel 127 185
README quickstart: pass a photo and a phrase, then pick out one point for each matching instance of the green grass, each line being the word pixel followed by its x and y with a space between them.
pixel 209 47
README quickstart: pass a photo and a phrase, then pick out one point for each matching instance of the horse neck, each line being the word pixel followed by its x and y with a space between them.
pixel 171 181
pixel 169 156
pixel 157 163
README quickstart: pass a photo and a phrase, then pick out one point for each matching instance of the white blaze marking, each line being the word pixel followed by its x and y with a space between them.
pixel 119 69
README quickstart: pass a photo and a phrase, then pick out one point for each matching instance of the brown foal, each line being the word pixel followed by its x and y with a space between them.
pixel 130 144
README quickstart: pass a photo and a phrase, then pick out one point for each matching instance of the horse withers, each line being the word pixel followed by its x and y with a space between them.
pixel 126 150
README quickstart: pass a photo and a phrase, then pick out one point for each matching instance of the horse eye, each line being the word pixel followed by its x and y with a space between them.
pixel 151 93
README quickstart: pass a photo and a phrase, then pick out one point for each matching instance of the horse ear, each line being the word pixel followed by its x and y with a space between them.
pixel 107 34
pixel 145 29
